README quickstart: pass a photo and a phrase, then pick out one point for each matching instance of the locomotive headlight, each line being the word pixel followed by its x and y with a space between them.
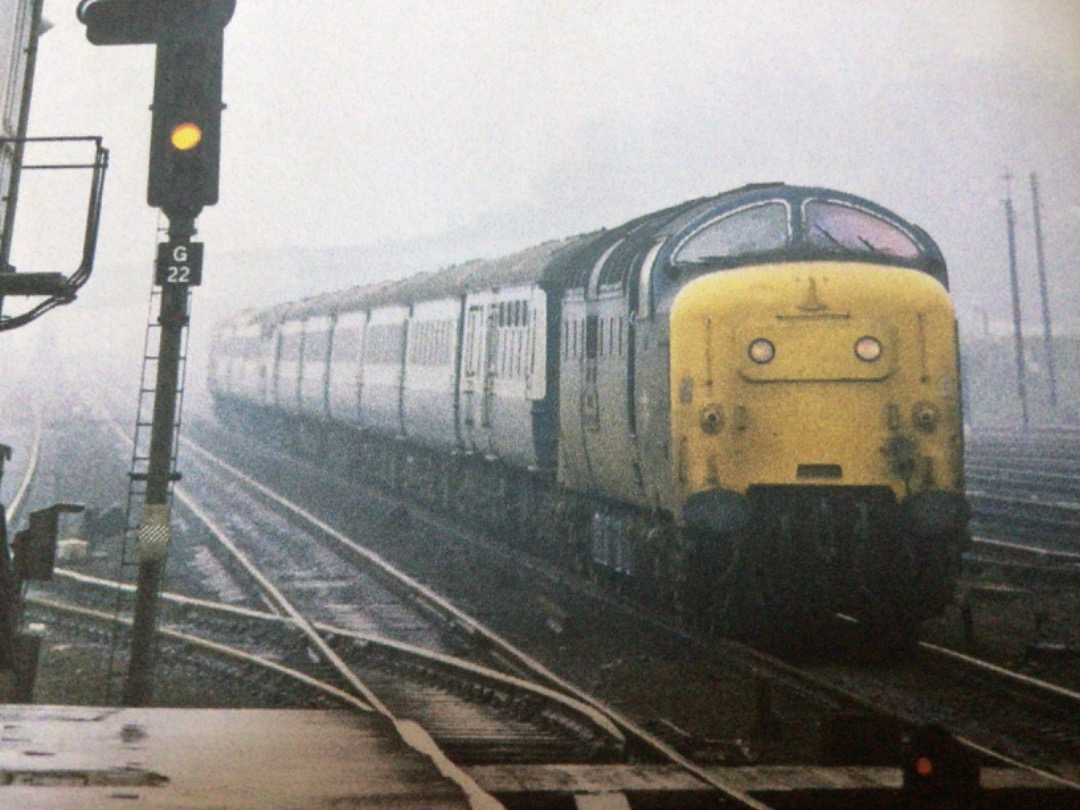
pixel 868 348
pixel 761 351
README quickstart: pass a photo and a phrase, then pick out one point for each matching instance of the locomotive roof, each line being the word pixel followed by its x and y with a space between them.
pixel 568 263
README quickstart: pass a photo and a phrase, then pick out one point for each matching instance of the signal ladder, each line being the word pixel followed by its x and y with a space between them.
pixel 140 461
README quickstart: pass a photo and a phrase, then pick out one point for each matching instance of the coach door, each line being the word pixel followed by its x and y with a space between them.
pixel 471 367
pixel 491 365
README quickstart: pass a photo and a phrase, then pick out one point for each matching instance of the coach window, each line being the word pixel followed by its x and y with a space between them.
pixel 756 229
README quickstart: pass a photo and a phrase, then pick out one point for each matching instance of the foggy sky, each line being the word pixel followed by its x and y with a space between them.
pixel 484 127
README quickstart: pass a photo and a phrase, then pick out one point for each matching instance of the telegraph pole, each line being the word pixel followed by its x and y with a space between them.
pixel 1021 372
pixel 1048 335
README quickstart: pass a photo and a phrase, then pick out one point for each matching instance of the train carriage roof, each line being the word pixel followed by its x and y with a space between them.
pixel 528 266
pixel 568 263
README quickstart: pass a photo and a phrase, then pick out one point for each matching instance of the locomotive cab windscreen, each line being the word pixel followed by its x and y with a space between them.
pixel 821 228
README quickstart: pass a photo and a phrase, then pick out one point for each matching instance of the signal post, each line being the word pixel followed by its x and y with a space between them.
pixel 185 139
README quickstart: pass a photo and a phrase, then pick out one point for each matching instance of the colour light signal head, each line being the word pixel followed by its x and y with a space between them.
pixel 185 136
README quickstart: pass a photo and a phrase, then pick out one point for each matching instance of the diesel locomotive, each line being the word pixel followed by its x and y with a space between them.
pixel 745 407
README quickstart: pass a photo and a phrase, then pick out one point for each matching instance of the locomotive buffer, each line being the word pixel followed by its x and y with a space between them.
pixel 183 178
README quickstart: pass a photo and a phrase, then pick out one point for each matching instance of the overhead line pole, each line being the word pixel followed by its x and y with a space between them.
pixel 1048 335
pixel 1014 278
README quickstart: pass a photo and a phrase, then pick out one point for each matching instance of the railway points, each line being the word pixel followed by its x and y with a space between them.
pixel 531 531
pixel 768 784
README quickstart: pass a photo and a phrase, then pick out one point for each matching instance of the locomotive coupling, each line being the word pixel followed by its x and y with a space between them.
pixel 936 513
pixel 717 510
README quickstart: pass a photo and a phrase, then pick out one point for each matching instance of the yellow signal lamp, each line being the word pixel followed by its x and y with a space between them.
pixel 185 136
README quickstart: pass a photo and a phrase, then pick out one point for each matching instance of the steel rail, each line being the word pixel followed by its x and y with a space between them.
pixel 760 662
pixel 1014 678
pixel 1069 696
pixel 1024 562
pixel 22 495
pixel 1012 500
pixel 410 733
pixel 403 650
pixel 597 718
pixel 280 601
pixel 520 658
pixel 211 646
pixel 1042 554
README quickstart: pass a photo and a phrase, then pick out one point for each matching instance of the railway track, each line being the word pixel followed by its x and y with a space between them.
pixel 495 706
pixel 1025 494
pixel 477 708
pixel 1003 714
pixel 253 623
pixel 861 697
pixel 1023 562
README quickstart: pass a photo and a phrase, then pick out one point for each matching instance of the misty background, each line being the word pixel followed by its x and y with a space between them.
pixel 366 140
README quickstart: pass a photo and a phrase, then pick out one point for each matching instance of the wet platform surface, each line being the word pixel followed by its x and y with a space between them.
pixel 61 757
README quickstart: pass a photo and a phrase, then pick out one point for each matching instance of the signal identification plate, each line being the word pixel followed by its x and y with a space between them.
pixel 179 263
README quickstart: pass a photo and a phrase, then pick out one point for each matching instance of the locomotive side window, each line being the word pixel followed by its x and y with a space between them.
pixel 838 227
pixel 756 229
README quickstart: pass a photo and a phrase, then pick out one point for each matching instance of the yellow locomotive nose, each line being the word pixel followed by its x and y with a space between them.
pixel 838 374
